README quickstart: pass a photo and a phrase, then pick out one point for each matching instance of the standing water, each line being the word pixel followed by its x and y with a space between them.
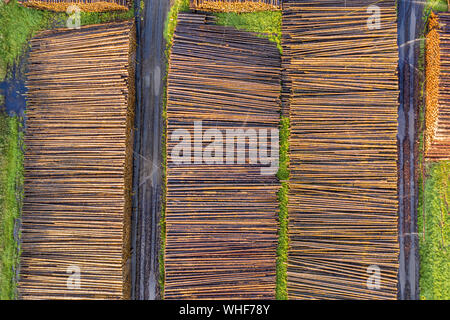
pixel 13 89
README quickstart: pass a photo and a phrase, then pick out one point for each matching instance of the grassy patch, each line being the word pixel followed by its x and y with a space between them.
pixel 283 239
pixel 11 179
pixel 266 23
pixel 436 6
pixel 434 244
pixel 16 26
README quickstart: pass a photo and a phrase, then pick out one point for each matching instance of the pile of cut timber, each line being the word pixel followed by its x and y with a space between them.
pixel 235 5
pixel 76 207
pixel 83 5
pixel 341 71
pixel 437 110
pixel 221 218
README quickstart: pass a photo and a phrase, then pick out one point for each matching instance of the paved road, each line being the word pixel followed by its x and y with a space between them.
pixel 409 29
pixel 147 155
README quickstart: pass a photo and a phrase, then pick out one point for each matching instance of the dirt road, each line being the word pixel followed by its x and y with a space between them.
pixel 410 25
pixel 147 181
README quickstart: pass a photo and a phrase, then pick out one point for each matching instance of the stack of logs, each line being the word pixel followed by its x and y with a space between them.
pixel 235 5
pixel 76 210
pixel 341 71
pixel 83 5
pixel 221 217
pixel 437 109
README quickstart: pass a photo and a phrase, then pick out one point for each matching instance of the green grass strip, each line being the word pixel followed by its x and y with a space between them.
pixel 171 21
pixel 283 238
pixel 11 181
pixel 435 244
pixel 16 26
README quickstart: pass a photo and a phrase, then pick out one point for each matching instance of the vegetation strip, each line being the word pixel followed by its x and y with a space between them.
pixel 343 202
pixel 77 165
pixel 283 200
pixel 225 213
pixel 434 244
pixel 11 180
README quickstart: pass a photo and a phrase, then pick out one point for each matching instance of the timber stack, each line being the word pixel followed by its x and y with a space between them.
pixel 221 215
pixel 78 164
pixel 82 5
pixel 437 104
pixel 238 6
pixel 341 69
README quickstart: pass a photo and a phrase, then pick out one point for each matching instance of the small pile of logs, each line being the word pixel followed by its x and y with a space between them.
pixel 235 5
pixel 221 218
pixel 76 210
pixel 83 5
pixel 342 88
pixel 437 106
